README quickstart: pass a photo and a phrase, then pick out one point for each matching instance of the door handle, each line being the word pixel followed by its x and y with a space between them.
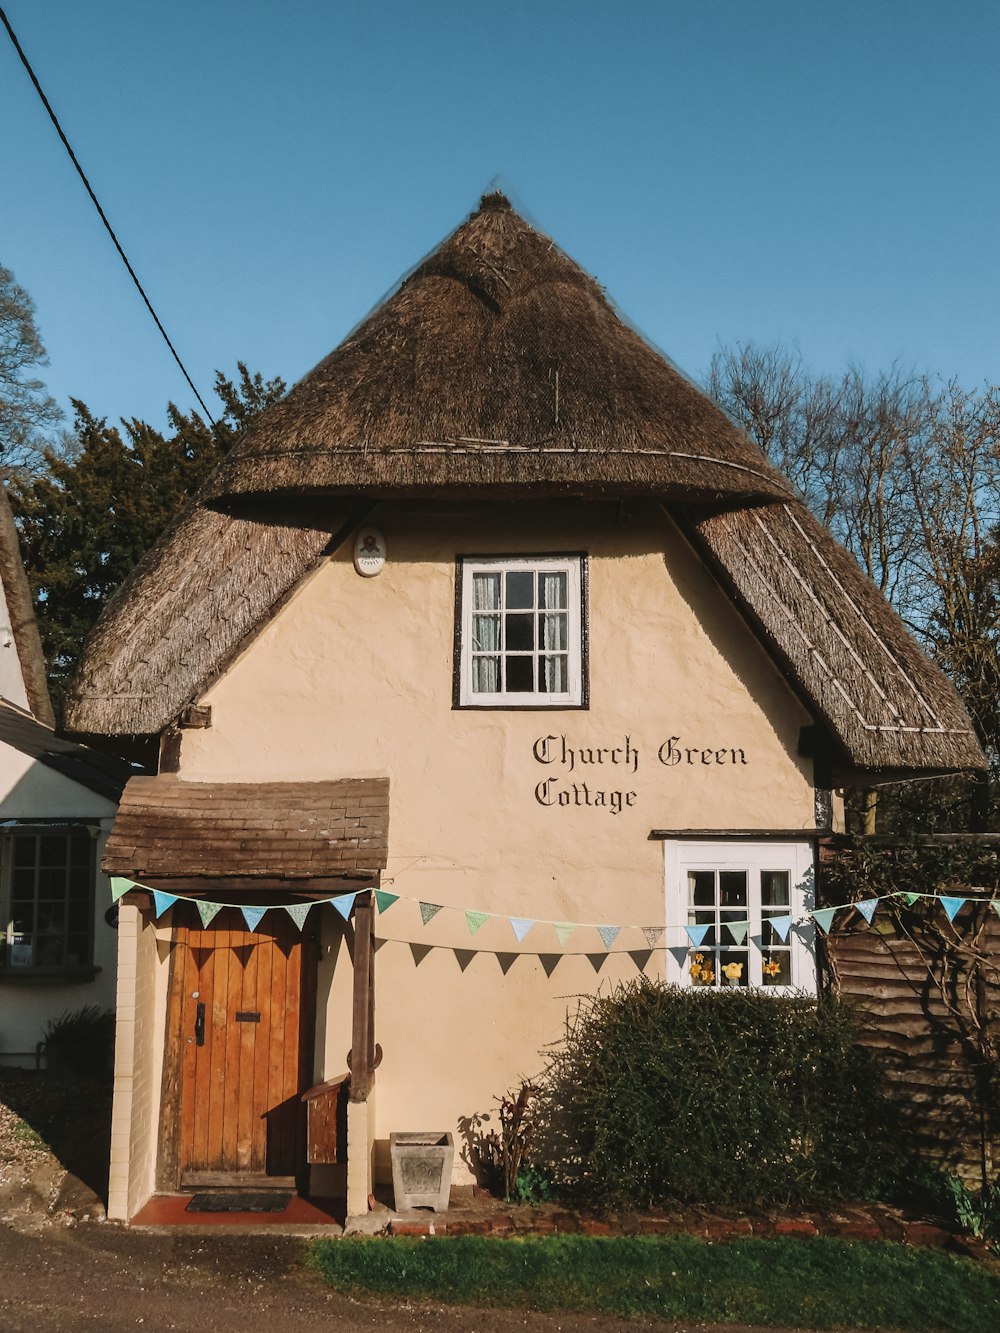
pixel 199 1025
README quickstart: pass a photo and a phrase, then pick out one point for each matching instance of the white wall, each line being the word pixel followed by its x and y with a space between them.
pixel 30 790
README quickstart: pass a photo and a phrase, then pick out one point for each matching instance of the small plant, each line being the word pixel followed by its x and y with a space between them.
pixel 503 1156
pixel 81 1041
pixel 947 1197
pixel 533 1185
pixel 28 1136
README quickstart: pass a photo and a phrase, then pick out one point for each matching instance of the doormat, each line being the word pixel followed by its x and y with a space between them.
pixel 259 1202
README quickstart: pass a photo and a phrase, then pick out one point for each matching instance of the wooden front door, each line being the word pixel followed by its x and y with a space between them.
pixel 238 1049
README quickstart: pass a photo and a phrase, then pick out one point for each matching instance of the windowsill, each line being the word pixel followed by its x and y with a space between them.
pixel 47 976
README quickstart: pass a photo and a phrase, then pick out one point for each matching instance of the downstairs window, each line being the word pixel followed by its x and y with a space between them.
pixel 743 908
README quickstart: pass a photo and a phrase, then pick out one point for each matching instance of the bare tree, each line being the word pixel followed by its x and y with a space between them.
pixel 28 414
pixel 906 473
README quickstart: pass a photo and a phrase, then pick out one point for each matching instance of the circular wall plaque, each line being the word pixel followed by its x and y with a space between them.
pixel 369 552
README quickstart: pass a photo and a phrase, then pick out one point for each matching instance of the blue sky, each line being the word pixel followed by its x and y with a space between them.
pixel 823 173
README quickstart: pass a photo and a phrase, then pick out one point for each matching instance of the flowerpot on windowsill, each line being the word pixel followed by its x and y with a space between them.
pixel 421 1169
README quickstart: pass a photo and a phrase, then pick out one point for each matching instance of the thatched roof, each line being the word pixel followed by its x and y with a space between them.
pixel 470 345
pixel 256 830
pixel 848 654
pixel 24 627
pixel 498 364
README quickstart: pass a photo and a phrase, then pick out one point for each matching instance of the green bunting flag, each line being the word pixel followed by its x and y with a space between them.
pixel 298 912
pixel 564 929
pixel 952 906
pixel 608 934
pixel 911 898
pixel 474 920
pixel 161 901
pixel 384 900
pixel 520 926
pixel 120 886
pixel 253 916
pixel 823 916
pixel 208 911
pixel 995 904
pixel 738 930
pixel 428 911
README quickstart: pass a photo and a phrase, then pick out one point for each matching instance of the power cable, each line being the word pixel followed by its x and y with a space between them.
pixel 110 230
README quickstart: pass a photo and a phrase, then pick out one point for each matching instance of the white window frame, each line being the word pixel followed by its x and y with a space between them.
pixel 681 857
pixel 573 568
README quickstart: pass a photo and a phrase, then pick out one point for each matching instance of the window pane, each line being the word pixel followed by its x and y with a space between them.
pixel 777 969
pixel 486 592
pixel 553 591
pixel 701 887
pixel 774 888
pixel 554 674
pixel 733 888
pixel 77 949
pixel 79 850
pixel 52 851
pixel 52 883
pixel 552 630
pixel 738 962
pixel 79 885
pixel 520 633
pixel 485 634
pixel 520 674
pixel 486 675
pixel 24 851
pixel 520 588
pixel 769 937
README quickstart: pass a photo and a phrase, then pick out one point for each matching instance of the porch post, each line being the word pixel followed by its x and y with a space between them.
pixel 360 1127
pixel 363 1020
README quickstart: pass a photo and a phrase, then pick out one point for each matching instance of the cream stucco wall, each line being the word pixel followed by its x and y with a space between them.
pixel 354 678
pixel 28 791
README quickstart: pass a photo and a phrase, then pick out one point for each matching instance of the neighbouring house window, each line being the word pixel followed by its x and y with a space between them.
pixel 47 901
pixel 520 632
pixel 743 909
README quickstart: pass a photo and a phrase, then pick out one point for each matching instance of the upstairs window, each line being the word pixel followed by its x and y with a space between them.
pixel 744 907
pixel 520 632
pixel 47 903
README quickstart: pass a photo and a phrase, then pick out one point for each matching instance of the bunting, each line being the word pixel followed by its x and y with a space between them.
pixel 253 916
pixel 476 920
pixel 120 886
pixel 693 935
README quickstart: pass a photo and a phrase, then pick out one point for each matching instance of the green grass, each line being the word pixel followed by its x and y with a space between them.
pixel 26 1134
pixel 820 1283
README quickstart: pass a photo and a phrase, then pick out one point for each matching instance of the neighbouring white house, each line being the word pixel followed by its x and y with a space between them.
pixel 58 944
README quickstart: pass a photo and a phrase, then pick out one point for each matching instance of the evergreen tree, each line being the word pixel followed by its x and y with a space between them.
pixel 87 519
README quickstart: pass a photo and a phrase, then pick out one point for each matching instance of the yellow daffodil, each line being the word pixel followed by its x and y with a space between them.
pixel 771 968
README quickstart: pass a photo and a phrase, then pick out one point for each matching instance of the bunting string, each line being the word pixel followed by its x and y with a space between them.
pixel 684 937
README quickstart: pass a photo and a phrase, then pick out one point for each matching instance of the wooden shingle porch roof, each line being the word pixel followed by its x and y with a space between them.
pixel 167 828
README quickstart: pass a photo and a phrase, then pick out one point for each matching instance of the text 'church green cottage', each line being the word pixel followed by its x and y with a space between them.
pixel 492 664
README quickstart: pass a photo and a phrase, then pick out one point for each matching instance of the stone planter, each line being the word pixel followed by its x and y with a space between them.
pixel 421 1169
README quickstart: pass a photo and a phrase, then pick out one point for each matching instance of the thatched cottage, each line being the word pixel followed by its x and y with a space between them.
pixel 498 643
